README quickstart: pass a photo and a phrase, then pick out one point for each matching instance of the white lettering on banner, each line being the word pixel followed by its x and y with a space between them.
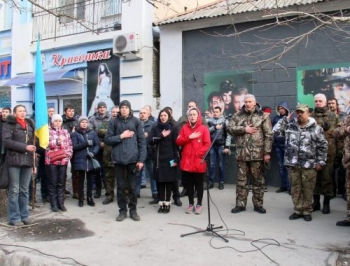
pixel 60 61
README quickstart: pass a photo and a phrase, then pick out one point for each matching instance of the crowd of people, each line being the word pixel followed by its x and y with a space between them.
pixel 116 149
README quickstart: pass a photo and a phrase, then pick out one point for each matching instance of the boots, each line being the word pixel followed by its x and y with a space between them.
pixel 90 202
pixel 161 207
pixel 316 205
pixel 326 209
pixel 166 207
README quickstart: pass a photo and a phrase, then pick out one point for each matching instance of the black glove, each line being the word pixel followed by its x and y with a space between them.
pixel 90 155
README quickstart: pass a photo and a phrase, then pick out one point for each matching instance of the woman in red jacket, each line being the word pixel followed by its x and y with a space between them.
pixel 194 139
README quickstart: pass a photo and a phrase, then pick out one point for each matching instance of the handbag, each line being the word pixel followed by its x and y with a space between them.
pixel 57 155
pixel 4 175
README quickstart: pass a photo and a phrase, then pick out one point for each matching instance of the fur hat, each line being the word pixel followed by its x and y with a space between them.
pixel 56 117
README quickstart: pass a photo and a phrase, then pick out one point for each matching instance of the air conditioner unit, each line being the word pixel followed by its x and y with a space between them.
pixel 126 46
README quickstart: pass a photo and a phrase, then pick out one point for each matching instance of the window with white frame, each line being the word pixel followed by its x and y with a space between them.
pixel 71 9
pixel 112 7
pixel 5 16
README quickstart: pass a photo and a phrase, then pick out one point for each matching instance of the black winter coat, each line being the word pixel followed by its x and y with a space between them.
pixel 164 150
pixel 16 139
pixel 81 161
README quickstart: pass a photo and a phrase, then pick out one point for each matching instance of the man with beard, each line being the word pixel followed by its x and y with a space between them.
pixel 306 153
pixel 328 120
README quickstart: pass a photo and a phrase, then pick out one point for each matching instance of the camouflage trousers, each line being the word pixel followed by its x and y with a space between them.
pixel 110 182
pixel 302 183
pixel 324 180
pixel 348 192
pixel 255 170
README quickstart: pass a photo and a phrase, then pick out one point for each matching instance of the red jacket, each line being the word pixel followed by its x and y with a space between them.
pixel 193 150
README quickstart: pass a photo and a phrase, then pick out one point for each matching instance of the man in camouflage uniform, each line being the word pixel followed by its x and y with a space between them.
pixel 340 132
pixel 339 174
pixel 306 153
pixel 324 181
pixel 107 159
pixel 252 128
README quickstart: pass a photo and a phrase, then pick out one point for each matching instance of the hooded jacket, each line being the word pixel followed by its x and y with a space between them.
pixel 251 147
pixel 16 139
pixel 128 150
pixel 220 135
pixel 305 147
pixel 278 139
pixel 193 150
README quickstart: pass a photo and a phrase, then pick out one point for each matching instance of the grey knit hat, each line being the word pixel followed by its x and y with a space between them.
pixel 56 117
pixel 81 118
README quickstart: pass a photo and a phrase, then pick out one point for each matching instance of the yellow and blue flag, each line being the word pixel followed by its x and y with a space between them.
pixel 41 123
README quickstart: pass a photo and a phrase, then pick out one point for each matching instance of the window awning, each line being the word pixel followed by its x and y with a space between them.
pixel 3 82
pixel 48 76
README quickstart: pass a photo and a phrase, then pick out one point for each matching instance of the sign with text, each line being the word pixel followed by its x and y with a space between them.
pixel 5 67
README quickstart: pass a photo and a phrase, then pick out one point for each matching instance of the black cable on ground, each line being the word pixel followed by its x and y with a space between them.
pixel 253 242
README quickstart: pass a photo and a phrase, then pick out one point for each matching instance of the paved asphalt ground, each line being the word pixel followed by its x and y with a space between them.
pixel 254 239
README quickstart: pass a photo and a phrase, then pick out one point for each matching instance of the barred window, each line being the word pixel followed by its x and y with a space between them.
pixel 112 7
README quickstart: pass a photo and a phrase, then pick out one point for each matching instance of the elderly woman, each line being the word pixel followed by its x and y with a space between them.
pixel 165 157
pixel 194 139
pixel 57 169
pixel 18 137
pixel 85 146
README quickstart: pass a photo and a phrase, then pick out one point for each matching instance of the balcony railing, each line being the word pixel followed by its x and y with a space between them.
pixel 70 17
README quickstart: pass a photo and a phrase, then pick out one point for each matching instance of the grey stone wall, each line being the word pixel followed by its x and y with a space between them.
pixel 273 82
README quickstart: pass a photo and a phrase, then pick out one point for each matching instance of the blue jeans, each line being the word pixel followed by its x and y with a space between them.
pixel 283 170
pixel 148 166
pixel 19 178
pixel 216 154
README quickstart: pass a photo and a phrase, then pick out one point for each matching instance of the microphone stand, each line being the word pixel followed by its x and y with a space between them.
pixel 210 227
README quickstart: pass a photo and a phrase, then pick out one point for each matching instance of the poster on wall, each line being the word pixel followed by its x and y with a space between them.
pixel 331 80
pixel 226 90
pixel 102 83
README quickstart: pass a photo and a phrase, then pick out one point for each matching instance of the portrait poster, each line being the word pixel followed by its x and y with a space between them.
pixel 331 80
pixel 226 90
pixel 103 83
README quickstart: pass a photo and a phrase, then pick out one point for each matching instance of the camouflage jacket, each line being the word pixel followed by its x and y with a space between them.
pixel 328 121
pixel 305 147
pixel 251 147
pixel 342 134
pixel 107 150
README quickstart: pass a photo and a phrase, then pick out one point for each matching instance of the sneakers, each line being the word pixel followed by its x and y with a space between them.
pixel 27 222
pixel 221 186
pixel 281 189
pixel 121 217
pixel 265 189
pixel 62 208
pixel 210 186
pixel 198 209
pixel 16 223
pixel 135 217
pixel 250 187
pixel 190 209
pixel 107 201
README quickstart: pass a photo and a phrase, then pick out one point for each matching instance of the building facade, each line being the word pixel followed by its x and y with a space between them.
pixel 243 47
pixel 80 57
